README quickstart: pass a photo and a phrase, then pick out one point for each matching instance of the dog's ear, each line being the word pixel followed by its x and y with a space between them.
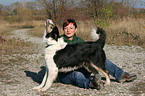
pixel 98 30
pixel 55 31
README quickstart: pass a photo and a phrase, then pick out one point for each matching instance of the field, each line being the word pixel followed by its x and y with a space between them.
pixel 125 31
pixel 22 58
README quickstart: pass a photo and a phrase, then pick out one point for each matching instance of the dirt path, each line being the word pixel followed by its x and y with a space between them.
pixel 24 69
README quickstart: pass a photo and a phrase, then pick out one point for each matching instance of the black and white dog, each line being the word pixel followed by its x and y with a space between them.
pixel 60 56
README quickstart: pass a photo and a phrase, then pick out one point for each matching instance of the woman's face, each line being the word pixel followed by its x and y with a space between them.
pixel 70 30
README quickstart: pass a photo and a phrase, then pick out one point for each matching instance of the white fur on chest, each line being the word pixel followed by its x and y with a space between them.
pixel 54 45
pixel 51 50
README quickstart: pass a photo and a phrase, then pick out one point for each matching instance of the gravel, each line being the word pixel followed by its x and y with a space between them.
pixel 19 72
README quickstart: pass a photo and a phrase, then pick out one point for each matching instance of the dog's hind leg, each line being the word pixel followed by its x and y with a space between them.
pixel 52 74
pixel 95 70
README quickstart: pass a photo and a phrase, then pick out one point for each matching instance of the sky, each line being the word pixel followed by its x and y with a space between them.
pixel 8 2
pixel 140 3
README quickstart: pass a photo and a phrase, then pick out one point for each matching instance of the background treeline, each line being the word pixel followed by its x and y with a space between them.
pixel 59 10
pixel 123 22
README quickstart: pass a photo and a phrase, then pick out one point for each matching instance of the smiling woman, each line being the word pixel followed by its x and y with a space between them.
pixel 70 28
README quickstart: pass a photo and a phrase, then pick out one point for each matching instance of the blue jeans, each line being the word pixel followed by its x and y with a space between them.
pixel 82 78
pixel 75 78
pixel 114 70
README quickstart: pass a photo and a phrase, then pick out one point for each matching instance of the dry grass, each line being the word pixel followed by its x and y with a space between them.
pixel 124 31
pixel 11 45
pixel 82 32
pixel 84 28
pixel 38 29
pixel 13 79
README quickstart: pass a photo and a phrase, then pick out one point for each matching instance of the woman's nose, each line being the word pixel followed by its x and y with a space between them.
pixel 68 29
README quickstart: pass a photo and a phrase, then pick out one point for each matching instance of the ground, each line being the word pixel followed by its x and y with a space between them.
pixel 19 76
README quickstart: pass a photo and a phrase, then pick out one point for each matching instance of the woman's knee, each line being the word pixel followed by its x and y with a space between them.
pixel 78 75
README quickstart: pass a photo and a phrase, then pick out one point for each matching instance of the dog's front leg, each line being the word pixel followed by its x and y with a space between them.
pixel 51 77
pixel 52 74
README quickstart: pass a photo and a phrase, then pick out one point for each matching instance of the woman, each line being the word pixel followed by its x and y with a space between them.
pixel 81 77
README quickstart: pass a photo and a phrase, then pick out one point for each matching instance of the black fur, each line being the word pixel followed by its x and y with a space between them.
pixel 54 33
pixel 89 55
pixel 76 54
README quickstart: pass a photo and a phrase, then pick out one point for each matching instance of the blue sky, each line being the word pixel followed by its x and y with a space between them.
pixel 8 2
pixel 140 3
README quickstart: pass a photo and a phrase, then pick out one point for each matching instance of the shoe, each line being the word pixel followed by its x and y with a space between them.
pixel 126 77
pixel 95 82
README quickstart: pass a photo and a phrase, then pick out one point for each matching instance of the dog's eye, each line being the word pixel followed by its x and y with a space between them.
pixel 51 27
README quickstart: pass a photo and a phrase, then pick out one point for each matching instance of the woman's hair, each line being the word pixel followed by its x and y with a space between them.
pixel 68 21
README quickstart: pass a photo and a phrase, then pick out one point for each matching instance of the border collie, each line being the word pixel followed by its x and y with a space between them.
pixel 60 56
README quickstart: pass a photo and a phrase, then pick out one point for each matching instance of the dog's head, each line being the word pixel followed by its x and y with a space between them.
pixel 51 30
pixel 49 25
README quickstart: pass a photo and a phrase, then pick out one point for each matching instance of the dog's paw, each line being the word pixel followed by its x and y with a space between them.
pixel 106 84
pixel 38 87
pixel 42 90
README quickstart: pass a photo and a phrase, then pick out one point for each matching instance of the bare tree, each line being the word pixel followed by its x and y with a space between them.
pixel 31 5
pixel 1 8
pixel 50 7
pixel 93 6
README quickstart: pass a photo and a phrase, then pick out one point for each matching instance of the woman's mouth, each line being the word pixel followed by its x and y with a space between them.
pixel 68 33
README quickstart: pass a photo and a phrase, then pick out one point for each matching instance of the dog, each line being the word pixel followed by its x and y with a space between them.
pixel 63 57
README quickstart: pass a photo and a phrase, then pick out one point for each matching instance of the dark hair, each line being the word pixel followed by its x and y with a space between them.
pixel 68 21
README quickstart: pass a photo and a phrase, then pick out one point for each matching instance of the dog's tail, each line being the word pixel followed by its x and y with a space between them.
pixel 98 34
